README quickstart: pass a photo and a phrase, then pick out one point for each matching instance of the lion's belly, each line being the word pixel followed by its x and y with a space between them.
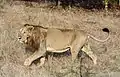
pixel 57 40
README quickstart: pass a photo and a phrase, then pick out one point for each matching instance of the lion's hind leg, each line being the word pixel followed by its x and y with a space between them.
pixel 76 46
pixel 86 48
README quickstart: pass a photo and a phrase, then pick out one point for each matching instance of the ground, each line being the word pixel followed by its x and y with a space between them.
pixel 12 53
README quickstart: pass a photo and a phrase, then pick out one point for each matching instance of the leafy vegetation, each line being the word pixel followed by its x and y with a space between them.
pixel 89 4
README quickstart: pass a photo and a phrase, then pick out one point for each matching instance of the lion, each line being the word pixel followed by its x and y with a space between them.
pixel 41 40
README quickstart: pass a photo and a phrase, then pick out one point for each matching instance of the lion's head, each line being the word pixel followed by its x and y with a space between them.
pixel 30 36
pixel 25 34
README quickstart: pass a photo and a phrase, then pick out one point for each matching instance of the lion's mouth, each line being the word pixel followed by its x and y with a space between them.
pixel 22 42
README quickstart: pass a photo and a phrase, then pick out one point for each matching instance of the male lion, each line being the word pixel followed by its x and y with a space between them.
pixel 41 39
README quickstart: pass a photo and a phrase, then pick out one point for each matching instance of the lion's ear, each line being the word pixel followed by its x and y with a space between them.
pixel 26 25
pixel 30 28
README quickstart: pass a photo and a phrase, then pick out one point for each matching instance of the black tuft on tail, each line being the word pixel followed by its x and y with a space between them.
pixel 106 30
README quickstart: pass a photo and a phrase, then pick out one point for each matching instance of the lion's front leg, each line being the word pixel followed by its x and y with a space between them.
pixel 36 55
pixel 33 57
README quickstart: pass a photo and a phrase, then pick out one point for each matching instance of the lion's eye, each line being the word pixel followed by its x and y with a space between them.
pixel 27 37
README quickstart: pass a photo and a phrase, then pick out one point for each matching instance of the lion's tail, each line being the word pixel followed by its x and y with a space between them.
pixel 104 30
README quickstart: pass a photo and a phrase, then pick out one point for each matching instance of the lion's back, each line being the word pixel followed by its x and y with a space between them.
pixel 57 39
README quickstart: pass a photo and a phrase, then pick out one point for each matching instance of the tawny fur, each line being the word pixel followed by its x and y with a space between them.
pixel 54 40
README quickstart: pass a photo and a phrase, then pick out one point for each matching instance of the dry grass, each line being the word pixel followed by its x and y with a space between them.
pixel 12 54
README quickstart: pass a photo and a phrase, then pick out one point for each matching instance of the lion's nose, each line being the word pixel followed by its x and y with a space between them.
pixel 19 37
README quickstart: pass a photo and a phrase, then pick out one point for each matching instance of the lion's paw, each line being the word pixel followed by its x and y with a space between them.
pixel 27 62
pixel 42 61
